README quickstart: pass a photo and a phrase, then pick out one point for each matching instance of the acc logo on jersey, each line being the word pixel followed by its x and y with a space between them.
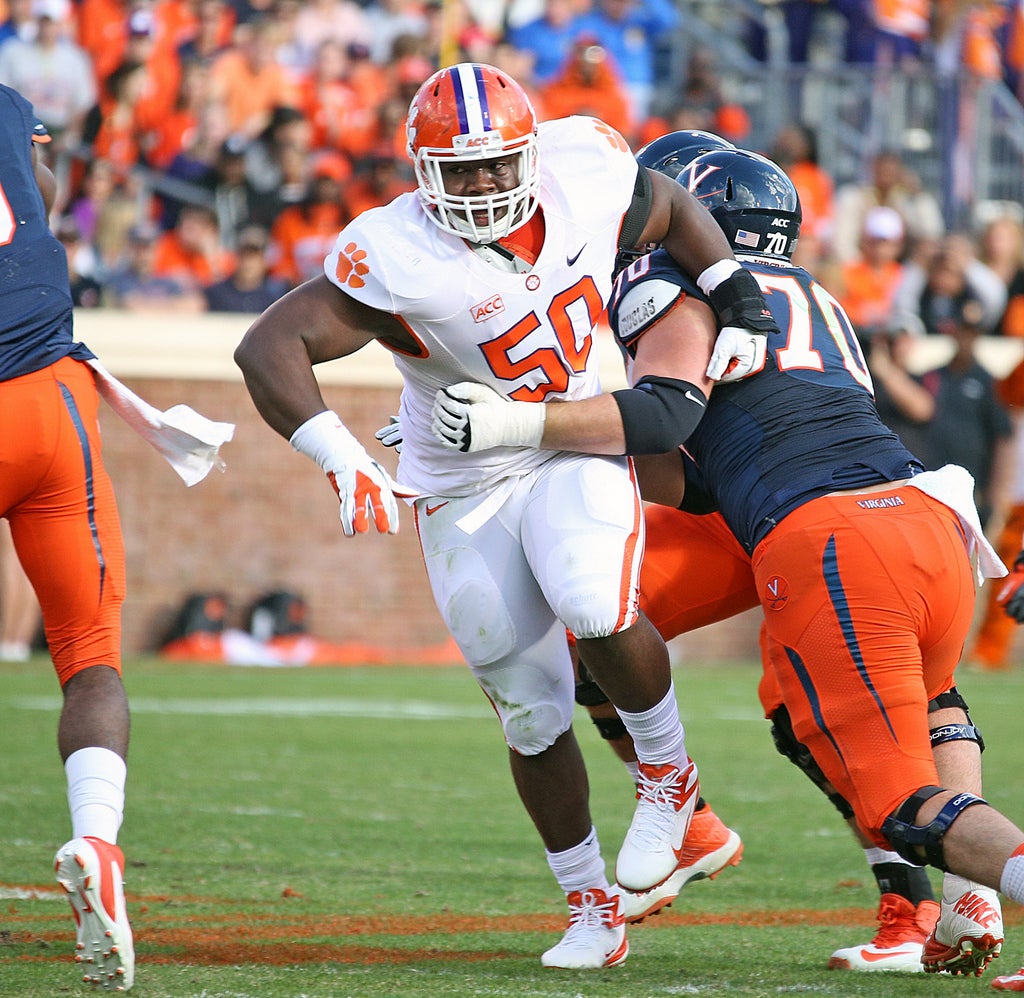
pixel 485 310
pixel 776 593
pixel 351 267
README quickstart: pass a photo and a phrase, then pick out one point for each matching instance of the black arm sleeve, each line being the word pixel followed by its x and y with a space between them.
pixel 658 414
pixel 635 220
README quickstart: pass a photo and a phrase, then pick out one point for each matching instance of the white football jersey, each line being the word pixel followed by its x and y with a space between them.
pixel 527 335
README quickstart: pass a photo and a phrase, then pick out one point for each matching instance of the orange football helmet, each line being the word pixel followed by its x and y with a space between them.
pixel 471 112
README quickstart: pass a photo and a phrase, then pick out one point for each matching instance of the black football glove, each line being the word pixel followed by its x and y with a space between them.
pixel 1011 596
pixel 739 302
pixel 742 344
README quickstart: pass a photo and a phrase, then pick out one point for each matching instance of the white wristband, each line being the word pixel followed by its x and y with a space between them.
pixel 716 273
pixel 319 438
pixel 526 425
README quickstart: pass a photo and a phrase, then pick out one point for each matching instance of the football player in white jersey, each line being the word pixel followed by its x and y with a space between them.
pixel 497 269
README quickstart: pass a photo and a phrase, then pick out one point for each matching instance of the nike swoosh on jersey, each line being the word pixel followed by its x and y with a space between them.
pixel 431 510
pixel 570 260
pixel 694 398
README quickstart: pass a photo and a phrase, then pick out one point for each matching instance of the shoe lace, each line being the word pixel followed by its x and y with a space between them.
pixel 897 925
pixel 592 909
pixel 660 792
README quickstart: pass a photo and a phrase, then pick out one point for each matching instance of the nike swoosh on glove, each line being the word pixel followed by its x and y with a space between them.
pixel 471 417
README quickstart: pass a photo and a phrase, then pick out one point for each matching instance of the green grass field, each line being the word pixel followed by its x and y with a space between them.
pixel 348 832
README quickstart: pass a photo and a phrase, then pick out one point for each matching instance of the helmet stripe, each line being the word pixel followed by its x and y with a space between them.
pixel 471 99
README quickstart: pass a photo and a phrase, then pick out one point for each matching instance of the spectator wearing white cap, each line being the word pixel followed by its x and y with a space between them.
pixel 867 284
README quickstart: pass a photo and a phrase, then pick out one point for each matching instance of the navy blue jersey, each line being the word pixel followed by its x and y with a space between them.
pixel 804 426
pixel 35 291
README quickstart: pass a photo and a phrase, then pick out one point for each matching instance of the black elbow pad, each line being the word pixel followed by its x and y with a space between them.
pixel 659 414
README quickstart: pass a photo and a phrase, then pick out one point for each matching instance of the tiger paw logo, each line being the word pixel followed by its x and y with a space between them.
pixel 776 593
pixel 613 137
pixel 351 269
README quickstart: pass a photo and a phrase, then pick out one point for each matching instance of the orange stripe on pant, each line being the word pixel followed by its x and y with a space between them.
pixel 868 599
pixel 60 503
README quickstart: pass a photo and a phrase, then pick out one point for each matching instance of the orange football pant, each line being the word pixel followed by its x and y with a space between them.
pixel 60 503
pixel 868 599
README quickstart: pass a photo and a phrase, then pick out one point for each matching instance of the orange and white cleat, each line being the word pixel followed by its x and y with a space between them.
pixel 899 942
pixel 653 846
pixel 969 933
pixel 709 847
pixel 91 872
pixel 596 936
pixel 1010 982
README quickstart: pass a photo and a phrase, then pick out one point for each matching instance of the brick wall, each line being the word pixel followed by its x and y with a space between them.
pixel 271 520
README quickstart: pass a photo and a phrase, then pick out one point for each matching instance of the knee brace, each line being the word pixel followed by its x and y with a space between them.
pixel 967 732
pixel 906 838
pixel 800 755
pixel 589 694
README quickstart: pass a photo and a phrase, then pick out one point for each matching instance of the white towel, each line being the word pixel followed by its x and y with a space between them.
pixel 190 443
pixel 953 486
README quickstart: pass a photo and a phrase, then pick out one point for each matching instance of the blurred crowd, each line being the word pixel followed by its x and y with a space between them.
pixel 209 151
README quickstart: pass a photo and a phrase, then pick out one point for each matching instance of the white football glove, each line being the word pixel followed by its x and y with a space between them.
pixel 365 490
pixel 391 435
pixel 738 353
pixel 471 417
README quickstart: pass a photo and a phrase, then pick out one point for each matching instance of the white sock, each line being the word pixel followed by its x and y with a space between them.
pixel 658 733
pixel 1011 883
pixel 874 856
pixel 579 867
pixel 633 768
pixel 96 779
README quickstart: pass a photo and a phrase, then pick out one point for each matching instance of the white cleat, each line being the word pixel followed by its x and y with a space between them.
pixel 91 872
pixel 968 935
pixel 653 847
pixel 709 847
pixel 899 942
pixel 596 936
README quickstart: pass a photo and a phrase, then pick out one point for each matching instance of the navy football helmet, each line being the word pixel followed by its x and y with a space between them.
pixel 751 198
pixel 668 154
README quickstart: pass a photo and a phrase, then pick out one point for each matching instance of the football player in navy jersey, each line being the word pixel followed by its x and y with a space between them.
pixel 64 521
pixel 861 560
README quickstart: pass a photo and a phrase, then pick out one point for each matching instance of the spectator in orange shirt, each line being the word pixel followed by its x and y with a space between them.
pixel 378 180
pixel 339 116
pixel 588 84
pixel 103 32
pixel 303 234
pixel 209 34
pixel 795 149
pixel 868 283
pixel 248 79
pixel 191 252
pixel 112 130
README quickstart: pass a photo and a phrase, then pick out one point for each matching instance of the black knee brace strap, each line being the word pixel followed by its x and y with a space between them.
pixel 610 728
pixel 956 733
pixel 800 755
pixel 589 694
pixel 906 838
pixel 951 698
